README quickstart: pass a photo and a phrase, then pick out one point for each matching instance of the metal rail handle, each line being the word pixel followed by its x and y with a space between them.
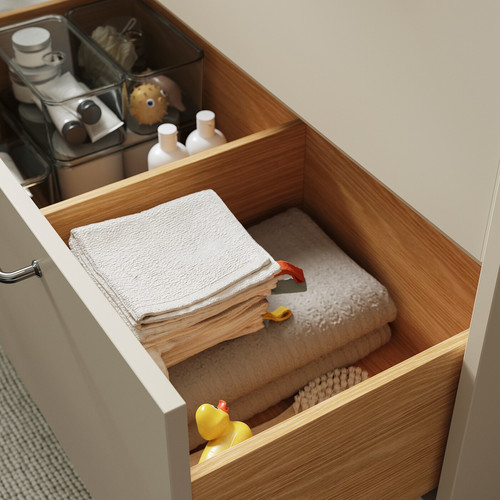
pixel 21 274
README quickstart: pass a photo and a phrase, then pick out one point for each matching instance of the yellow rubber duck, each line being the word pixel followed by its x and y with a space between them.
pixel 220 432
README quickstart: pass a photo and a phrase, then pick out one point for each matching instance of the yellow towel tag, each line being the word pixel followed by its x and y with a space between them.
pixel 279 314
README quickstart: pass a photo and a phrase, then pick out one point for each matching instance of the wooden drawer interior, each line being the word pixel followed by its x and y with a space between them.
pixel 274 161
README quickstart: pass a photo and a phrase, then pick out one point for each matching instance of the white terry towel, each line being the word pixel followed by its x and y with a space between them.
pixel 286 386
pixel 342 303
pixel 173 260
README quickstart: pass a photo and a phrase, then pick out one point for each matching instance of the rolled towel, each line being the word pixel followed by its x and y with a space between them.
pixel 342 303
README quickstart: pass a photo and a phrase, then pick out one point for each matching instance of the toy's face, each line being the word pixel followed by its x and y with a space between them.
pixel 148 104
pixel 211 421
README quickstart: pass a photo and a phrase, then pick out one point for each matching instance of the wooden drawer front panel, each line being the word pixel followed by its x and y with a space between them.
pixel 381 439
pixel 255 177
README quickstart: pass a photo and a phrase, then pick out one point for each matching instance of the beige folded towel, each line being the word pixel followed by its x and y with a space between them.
pixel 286 386
pixel 342 304
pixel 234 322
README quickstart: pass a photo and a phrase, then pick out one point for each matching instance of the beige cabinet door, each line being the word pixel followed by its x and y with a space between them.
pixel 472 460
pixel 119 419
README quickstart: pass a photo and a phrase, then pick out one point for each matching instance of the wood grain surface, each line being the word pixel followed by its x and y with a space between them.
pixel 431 279
pixel 255 176
pixel 383 438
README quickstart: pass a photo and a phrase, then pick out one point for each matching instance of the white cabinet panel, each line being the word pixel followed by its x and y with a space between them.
pixel 119 419
pixel 470 468
pixel 407 89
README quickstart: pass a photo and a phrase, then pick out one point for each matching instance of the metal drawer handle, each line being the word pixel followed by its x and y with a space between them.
pixel 21 274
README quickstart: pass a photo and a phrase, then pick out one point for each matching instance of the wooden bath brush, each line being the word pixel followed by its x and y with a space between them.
pixel 316 391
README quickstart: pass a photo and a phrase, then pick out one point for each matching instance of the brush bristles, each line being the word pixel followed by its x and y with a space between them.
pixel 326 386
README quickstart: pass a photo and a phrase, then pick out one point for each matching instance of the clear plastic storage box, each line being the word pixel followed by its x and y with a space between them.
pixel 68 97
pixel 26 161
pixel 163 68
pixel 63 90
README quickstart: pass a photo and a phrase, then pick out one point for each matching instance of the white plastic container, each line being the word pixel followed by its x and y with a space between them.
pixel 37 76
pixel 88 176
pixel 100 170
pixel 135 153
pixel 32 120
pixel 167 149
pixel 206 136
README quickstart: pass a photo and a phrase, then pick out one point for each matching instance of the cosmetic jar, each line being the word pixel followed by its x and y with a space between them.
pixel 30 45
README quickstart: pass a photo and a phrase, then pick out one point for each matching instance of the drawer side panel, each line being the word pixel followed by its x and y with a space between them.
pixel 432 280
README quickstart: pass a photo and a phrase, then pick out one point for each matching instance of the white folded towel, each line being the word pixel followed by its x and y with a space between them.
pixel 342 303
pixel 173 260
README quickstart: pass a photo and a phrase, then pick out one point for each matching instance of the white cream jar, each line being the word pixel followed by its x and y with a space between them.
pixel 30 45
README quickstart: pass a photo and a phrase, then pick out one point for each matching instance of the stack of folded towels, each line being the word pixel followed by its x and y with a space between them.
pixel 341 318
pixel 184 275
pixel 189 277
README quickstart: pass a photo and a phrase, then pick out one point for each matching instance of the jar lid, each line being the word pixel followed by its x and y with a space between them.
pixel 31 39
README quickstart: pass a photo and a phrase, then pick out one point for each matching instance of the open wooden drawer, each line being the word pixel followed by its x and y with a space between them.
pixel 122 423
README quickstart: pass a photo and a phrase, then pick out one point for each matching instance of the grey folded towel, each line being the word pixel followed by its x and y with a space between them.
pixel 341 305
pixel 287 385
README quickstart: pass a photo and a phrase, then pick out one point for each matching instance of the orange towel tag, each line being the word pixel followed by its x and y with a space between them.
pixel 280 314
pixel 295 272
